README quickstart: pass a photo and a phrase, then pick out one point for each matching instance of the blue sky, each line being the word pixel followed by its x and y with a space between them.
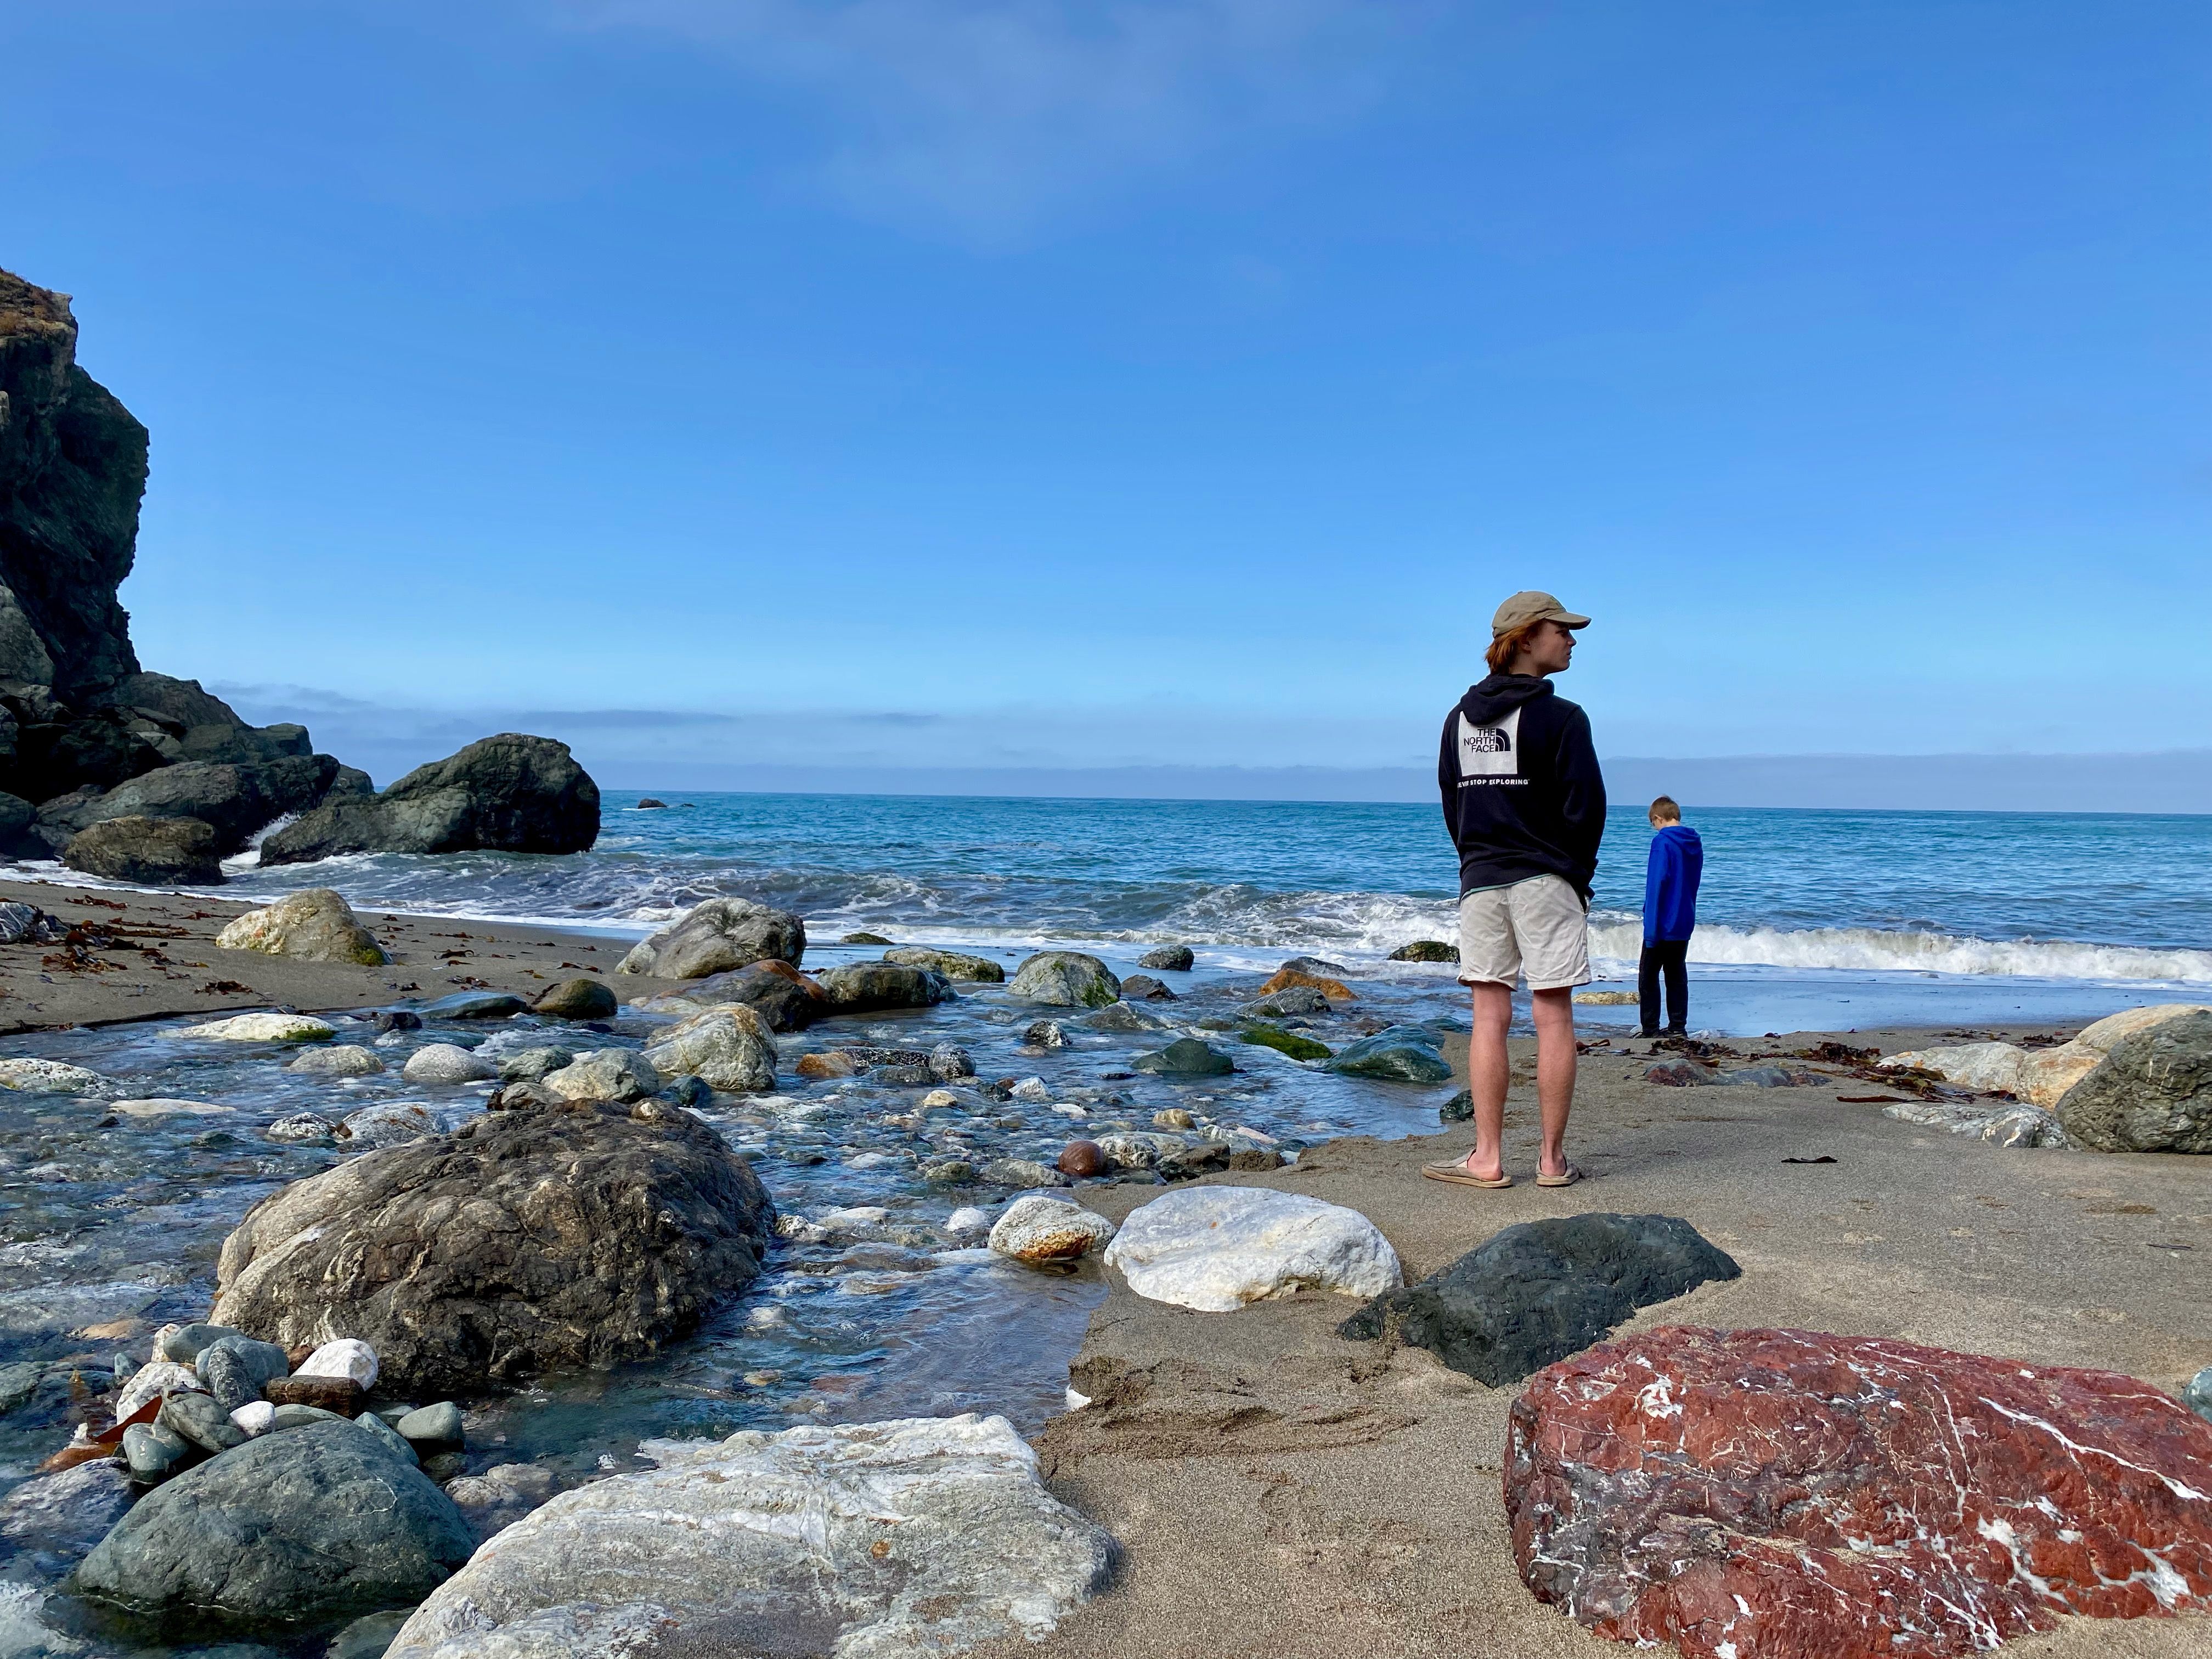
pixel 875 383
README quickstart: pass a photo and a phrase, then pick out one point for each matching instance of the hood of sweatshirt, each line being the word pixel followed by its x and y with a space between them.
pixel 1499 695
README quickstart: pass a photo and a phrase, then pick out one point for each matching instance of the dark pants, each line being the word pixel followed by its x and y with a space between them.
pixel 1666 956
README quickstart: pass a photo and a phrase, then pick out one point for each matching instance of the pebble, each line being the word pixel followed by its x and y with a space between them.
pixel 255 1417
pixel 346 1357
pixel 339 1059
pixel 1082 1158
pixel 968 1219
pixel 392 1440
pixel 303 1126
pixel 438 1424
pixel 1032 1088
pixel 1174 1118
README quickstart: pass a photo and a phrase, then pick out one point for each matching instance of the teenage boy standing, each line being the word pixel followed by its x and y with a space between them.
pixel 1525 804
pixel 1670 916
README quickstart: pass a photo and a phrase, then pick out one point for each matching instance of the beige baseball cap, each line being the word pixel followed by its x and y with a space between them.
pixel 1532 606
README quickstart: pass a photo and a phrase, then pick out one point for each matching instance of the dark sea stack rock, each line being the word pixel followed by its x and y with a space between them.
pixel 1795 1495
pixel 509 794
pixel 72 471
pixel 576 999
pixel 156 851
pixel 648 804
pixel 1174 958
pixel 583 1235
pixel 293 1530
pixel 2152 1093
pixel 863 987
pixel 1542 1289
pixel 718 937
pixel 1425 950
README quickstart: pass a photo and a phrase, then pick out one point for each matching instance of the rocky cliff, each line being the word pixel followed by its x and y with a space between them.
pixel 81 725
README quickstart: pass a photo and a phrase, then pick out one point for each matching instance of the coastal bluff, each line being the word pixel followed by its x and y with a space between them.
pixel 107 766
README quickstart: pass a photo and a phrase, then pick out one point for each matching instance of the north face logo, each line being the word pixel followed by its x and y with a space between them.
pixel 1485 740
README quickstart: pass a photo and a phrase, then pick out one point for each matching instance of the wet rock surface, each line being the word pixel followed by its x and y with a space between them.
pixel 297 1529
pixel 925 1535
pixel 2152 1093
pixel 1540 1290
pixel 1776 1494
pixel 156 851
pixel 523 1243
pixel 717 937
pixel 1216 1249
pixel 511 794
pixel 1066 979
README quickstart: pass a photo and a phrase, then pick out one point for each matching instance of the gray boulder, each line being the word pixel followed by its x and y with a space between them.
pixel 1540 1290
pixel 1185 1057
pixel 1291 1002
pixel 1175 958
pixel 605 1074
pixel 1398 1054
pixel 299 1529
pixel 953 964
pixel 526 1241
pixel 864 988
pixel 700 1556
pixel 576 999
pixel 2152 1093
pixel 511 794
pixel 1065 979
pixel 1425 950
pixel 715 936
pixel 158 851
pixel 726 1048
pixel 313 925
pixel 785 998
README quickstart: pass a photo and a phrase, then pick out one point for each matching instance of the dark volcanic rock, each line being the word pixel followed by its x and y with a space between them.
pixel 555 1236
pixel 510 793
pixel 1769 1494
pixel 1175 958
pixel 72 470
pixel 2152 1093
pixel 785 998
pixel 232 800
pixel 576 999
pixel 863 987
pixel 1542 1289
pixel 1185 1057
pixel 156 850
pixel 299 1529
pixel 1143 988
pixel 1398 1054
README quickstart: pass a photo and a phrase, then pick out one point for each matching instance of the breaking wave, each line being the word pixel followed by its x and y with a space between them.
pixel 1883 950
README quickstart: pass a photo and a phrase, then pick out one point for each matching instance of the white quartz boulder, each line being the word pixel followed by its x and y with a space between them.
pixel 447 1062
pixel 47 1077
pixel 346 1356
pixel 913 1537
pixel 263 1028
pixel 1215 1248
pixel 1038 1231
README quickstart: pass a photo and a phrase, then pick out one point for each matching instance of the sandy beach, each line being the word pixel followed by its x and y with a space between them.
pixel 1280 1491
pixel 150 956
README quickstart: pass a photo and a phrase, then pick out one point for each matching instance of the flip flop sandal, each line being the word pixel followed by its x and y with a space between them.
pixel 1566 1178
pixel 1454 1171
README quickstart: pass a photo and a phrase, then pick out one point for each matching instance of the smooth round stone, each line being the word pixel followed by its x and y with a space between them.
pixel 937 1099
pixel 153 1452
pixel 1174 1118
pixel 388 1436
pixel 302 1126
pixel 968 1219
pixel 340 1060
pixel 201 1419
pixel 183 1343
pixel 298 1417
pixel 1083 1158
pixel 255 1418
pixel 440 1424
pixel 576 999
pixel 448 1063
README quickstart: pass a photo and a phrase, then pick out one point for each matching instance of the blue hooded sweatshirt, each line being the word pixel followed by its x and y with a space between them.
pixel 1670 884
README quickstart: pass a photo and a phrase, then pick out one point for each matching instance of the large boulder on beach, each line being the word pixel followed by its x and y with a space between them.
pixel 1065 979
pixel 785 998
pixel 157 851
pixel 1397 1053
pixel 726 1048
pixel 1216 1249
pixel 2041 1076
pixel 1540 1290
pixel 953 964
pixel 1782 1494
pixel 509 794
pixel 920 1535
pixel 715 936
pixel 2151 1093
pixel 552 1237
pixel 301 1528
pixel 867 987
pixel 313 925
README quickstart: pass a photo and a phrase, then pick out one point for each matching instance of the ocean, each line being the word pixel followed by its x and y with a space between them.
pixel 1807 918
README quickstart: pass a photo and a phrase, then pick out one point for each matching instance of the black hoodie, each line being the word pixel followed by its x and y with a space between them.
pixel 1522 793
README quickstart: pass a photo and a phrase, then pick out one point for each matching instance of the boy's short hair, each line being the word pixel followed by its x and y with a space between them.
pixel 1664 807
pixel 1507 646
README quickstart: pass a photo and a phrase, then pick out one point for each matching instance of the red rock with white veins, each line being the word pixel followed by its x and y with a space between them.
pixel 1792 1495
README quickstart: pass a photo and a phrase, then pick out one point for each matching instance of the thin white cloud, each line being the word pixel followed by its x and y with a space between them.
pixel 990 115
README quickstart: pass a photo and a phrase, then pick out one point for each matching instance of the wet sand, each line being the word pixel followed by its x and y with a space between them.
pixel 161 959
pixel 1279 1491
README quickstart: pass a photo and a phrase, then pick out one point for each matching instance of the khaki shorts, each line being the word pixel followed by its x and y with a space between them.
pixel 1536 929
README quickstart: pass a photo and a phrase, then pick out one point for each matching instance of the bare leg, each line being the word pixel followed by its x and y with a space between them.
pixel 1488 1074
pixel 1555 1073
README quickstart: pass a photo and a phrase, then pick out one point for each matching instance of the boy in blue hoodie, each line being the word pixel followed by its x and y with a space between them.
pixel 1670 915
